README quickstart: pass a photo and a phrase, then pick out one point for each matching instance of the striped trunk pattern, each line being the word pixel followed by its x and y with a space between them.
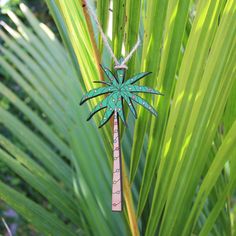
pixel 117 179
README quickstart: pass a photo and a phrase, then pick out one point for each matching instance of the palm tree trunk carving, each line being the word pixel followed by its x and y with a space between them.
pixel 117 178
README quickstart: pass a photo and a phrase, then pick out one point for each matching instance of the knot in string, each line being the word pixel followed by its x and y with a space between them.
pixel 118 65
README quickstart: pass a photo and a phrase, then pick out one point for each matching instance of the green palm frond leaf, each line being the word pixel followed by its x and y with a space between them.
pixel 97 92
pixel 140 89
pixel 101 105
pixel 110 76
pixel 120 90
pixel 142 102
pixel 137 78
pixel 130 104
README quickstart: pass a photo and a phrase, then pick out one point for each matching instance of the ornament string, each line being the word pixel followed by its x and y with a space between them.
pixel 106 43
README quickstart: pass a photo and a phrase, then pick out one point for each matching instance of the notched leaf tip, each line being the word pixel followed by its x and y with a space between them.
pixel 82 101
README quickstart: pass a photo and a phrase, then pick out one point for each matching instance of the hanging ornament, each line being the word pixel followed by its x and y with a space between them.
pixel 118 90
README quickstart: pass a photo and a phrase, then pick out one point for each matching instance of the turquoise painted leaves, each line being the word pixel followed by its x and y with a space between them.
pixel 119 90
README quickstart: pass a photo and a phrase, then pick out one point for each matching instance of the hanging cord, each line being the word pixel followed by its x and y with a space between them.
pixel 105 40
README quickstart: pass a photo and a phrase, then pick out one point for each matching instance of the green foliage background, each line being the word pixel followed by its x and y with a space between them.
pixel 179 169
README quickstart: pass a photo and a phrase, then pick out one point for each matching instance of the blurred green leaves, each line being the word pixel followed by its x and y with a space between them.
pixel 182 164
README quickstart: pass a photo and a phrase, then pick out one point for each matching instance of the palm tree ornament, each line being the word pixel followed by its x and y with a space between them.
pixel 118 91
